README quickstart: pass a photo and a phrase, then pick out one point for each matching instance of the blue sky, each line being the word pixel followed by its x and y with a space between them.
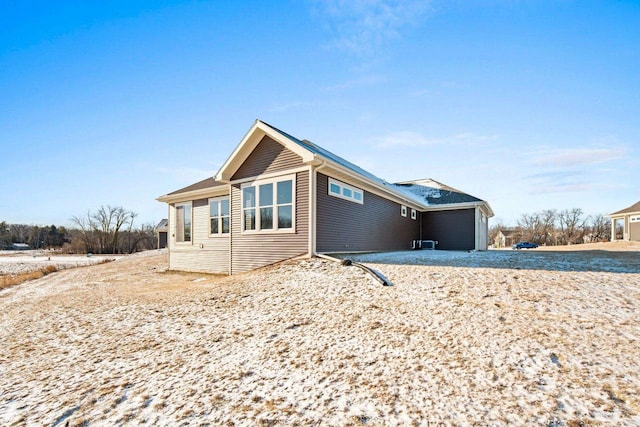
pixel 529 105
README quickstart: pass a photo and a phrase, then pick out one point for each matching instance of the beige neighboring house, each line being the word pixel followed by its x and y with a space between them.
pixel 162 233
pixel 505 238
pixel 625 224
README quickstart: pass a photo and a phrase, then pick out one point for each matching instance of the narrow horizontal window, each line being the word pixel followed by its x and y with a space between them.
pixel 345 191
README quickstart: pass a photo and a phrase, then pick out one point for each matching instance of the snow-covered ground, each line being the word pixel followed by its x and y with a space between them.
pixel 24 262
pixel 461 339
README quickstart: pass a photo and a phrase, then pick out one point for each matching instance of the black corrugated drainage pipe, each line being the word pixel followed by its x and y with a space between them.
pixel 379 277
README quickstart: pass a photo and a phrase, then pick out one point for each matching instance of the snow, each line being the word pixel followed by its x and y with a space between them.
pixel 491 338
pixel 24 262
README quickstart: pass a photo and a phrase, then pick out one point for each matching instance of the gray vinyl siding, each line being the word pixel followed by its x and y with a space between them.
pixel 268 156
pixel 204 253
pixel 253 250
pixel 376 225
pixel 453 229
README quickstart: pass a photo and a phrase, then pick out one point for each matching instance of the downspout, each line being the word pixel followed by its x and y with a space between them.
pixel 313 207
pixel 377 276
pixel 477 228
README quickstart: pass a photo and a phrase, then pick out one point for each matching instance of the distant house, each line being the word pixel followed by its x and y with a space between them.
pixel 278 197
pixel 162 231
pixel 506 237
pixel 625 224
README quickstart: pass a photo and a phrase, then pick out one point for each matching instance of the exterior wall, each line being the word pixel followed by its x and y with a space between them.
pixel 268 156
pixel 482 225
pixel 453 229
pixel 376 225
pixel 253 250
pixel 204 253
pixel 634 231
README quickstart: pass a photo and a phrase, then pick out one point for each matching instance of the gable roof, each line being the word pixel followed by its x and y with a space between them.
pixel 635 208
pixel 420 194
pixel 251 140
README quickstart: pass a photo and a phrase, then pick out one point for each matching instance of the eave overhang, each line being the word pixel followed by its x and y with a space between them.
pixel 250 141
pixel 195 194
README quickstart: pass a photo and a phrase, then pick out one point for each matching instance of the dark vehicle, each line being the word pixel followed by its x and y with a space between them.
pixel 525 245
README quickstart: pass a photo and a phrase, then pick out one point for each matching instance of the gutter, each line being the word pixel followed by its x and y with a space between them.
pixel 399 196
pixel 195 194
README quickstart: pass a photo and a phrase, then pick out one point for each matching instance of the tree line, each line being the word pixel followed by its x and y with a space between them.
pixel 553 227
pixel 109 230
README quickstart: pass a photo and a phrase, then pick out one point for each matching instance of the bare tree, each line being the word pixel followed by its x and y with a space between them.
pixel 101 230
pixel 539 227
pixel 87 233
pixel 571 225
pixel 5 237
pixel 599 229
pixel 19 232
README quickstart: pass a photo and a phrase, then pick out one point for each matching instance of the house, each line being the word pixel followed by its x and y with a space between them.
pixel 162 231
pixel 506 237
pixel 20 247
pixel 625 224
pixel 278 197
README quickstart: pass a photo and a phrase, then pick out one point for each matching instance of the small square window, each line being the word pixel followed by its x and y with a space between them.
pixel 403 211
pixel 414 214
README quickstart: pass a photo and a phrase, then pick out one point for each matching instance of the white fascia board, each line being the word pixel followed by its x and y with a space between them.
pixel 622 215
pixel 484 206
pixel 194 195
pixel 249 143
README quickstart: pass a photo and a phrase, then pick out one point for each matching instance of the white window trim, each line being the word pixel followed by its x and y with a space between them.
pixel 175 237
pixel 257 184
pixel 344 186
pixel 414 214
pixel 635 218
pixel 219 233
pixel 403 210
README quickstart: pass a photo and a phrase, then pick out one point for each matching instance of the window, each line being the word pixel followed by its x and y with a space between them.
pixel 414 214
pixel 183 223
pixel 344 191
pixel 268 205
pixel 634 219
pixel 219 216
pixel 403 210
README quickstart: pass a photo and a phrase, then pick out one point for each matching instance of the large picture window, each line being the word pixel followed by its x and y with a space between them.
pixel 183 223
pixel 268 205
pixel 219 216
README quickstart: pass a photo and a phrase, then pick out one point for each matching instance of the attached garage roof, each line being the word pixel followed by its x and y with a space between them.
pixel 631 209
pixel 432 192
